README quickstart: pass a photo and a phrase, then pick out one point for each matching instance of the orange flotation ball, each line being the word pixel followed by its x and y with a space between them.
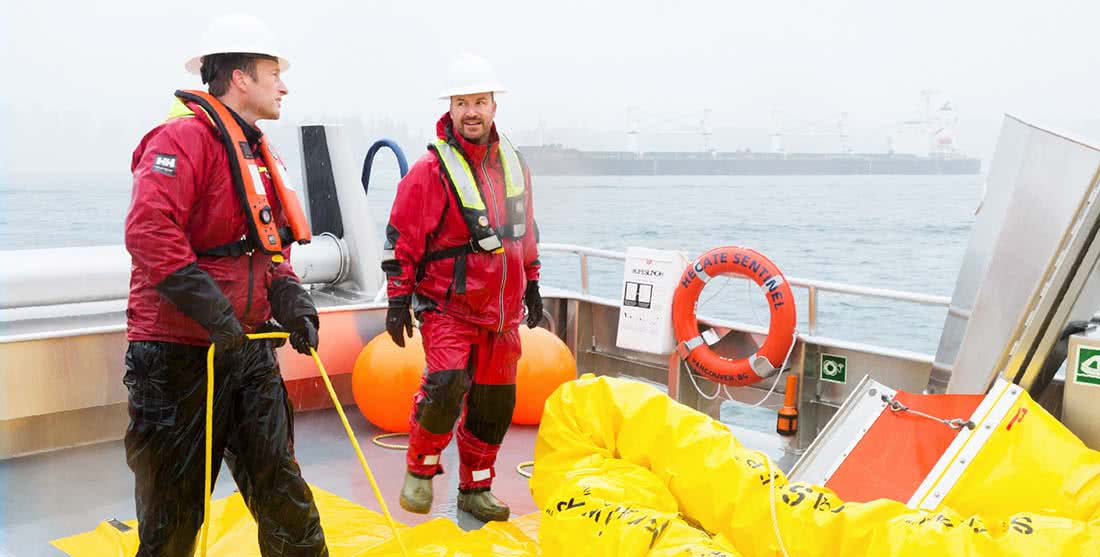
pixel 546 363
pixel 385 379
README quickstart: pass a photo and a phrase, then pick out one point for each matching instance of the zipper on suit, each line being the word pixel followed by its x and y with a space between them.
pixel 503 256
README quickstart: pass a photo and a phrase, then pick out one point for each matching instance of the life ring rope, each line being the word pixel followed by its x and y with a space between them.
pixel 722 388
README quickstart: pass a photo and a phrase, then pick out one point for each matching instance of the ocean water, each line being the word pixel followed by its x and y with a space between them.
pixel 896 232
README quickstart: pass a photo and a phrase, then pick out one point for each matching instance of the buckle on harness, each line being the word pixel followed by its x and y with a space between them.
pixel 488 244
pixel 236 248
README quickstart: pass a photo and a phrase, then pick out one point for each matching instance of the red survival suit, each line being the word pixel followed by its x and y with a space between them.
pixel 469 305
pixel 190 275
pixel 184 204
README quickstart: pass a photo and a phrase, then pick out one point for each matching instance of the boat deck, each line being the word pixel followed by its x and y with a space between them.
pixel 58 494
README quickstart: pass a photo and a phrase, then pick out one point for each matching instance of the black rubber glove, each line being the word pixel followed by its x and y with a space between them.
pixel 399 319
pixel 303 335
pixel 533 301
pixel 228 336
pixel 197 296
pixel 290 303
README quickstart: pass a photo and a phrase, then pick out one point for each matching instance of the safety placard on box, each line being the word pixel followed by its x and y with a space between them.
pixel 645 317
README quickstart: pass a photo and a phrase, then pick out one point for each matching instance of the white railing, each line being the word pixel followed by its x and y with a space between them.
pixel 813 287
pixel 55 276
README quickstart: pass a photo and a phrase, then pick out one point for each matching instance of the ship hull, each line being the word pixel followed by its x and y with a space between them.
pixel 566 162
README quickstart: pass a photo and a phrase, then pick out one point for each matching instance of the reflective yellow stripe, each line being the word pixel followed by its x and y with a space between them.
pixel 179 110
pixel 459 171
pixel 513 171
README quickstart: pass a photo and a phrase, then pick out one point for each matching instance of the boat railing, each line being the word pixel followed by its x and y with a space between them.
pixel 814 288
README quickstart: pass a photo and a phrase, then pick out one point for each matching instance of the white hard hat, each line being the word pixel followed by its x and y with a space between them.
pixel 240 33
pixel 469 74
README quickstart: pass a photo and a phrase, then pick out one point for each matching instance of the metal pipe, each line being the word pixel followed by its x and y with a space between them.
pixel 582 250
pixel 812 310
pixel 46 277
pixel 42 277
pixel 824 286
pixel 958 312
pixel 584 273
pixel 120 327
pixel 900 295
pixel 325 260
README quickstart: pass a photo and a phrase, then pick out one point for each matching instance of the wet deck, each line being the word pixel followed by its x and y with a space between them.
pixel 58 494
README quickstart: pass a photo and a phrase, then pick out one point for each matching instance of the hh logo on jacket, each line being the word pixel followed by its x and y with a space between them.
pixel 165 164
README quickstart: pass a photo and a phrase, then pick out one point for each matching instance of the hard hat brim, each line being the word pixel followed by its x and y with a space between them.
pixel 446 95
pixel 194 65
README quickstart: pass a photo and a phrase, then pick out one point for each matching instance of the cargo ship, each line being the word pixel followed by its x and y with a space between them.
pixel 557 160
pixel 922 145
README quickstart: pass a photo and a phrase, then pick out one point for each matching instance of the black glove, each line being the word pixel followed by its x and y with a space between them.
pixel 292 306
pixel 228 336
pixel 399 319
pixel 197 296
pixel 533 301
pixel 290 303
pixel 303 335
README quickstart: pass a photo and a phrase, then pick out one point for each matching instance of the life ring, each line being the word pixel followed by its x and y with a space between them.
pixel 695 350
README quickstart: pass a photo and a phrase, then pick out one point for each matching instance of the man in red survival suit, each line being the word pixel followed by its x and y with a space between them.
pixel 461 252
pixel 209 227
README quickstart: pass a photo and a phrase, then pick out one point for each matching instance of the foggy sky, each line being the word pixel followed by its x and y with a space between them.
pixel 82 81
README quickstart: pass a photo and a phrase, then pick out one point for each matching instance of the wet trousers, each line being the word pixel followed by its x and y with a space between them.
pixel 470 378
pixel 253 430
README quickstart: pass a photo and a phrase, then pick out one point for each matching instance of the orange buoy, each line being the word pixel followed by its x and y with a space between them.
pixel 385 379
pixel 546 363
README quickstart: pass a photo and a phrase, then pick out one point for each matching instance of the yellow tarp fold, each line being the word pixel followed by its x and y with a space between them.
pixel 350 531
pixel 1031 463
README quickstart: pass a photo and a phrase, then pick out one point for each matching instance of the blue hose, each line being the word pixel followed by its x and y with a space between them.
pixel 401 162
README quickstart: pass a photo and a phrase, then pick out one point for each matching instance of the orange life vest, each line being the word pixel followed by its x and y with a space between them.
pixel 263 233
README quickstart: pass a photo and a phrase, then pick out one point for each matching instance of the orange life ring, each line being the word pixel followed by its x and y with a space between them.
pixel 691 346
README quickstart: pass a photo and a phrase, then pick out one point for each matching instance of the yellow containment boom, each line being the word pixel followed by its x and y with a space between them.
pixel 621 469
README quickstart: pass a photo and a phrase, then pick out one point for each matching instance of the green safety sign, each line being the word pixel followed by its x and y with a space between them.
pixel 834 368
pixel 1088 366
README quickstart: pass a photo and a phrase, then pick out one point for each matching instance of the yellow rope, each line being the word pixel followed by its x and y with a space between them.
pixel 209 448
pixel 359 452
pixel 339 410
pixel 377 440
pixel 520 468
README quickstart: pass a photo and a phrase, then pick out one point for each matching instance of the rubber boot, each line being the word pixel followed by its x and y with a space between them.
pixel 416 494
pixel 483 505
